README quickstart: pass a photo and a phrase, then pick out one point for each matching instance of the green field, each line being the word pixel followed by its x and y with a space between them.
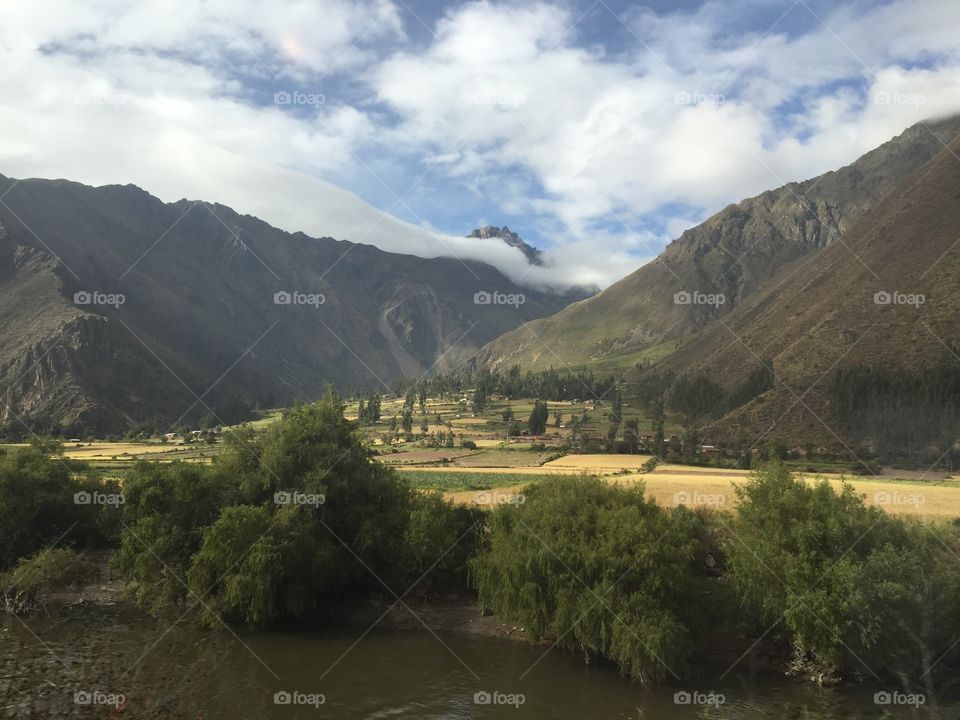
pixel 456 480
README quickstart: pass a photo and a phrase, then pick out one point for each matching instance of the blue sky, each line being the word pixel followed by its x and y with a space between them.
pixel 597 130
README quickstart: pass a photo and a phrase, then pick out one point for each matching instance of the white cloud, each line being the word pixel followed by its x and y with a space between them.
pixel 506 103
pixel 691 117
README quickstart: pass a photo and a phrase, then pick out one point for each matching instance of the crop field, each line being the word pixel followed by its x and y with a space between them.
pixel 117 455
pixel 714 488
pixel 507 464
pixel 599 464
pixel 423 457
pixel 461 481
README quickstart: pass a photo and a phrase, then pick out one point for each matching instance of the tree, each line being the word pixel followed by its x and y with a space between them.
pixel 283 527
pixel 537 422
pixel 631 436
pixel 856 590
pixel 651 607
pixel 659 444
pixel 479 399
pixel 616 407
pixel 369 412
pixel 507 414
pixel 38 503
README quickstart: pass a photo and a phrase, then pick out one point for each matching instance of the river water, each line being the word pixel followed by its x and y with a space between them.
pixel 116 663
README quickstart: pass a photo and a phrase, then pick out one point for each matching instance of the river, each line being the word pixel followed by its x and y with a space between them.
pixel 117 663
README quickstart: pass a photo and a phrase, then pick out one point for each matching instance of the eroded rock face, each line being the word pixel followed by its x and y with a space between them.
pixel 201 325
pixel 732 254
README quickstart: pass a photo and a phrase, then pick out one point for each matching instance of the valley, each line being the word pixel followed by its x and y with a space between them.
pixel 483 359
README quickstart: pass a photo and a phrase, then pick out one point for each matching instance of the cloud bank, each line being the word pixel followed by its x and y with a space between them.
pixel 602 132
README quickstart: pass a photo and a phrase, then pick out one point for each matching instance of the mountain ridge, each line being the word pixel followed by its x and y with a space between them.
pixel 200 284
pixel 638 318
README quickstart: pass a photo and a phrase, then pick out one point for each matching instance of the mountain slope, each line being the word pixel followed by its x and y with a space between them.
pixel 887 296
pixel 200 326
pixel 729 255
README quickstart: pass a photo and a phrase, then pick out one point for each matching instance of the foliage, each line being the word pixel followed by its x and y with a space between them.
pixel 904 414
pixel 549 384
pixel 606 571
pixel 537 422
pixel 166 509
pixel 49 571
pixel 38 507
pixel 285 526
pixel 369 410
pixel 858 591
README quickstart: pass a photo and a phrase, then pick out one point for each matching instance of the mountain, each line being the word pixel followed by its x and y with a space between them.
pixel 504 233
pixel 884 300
pixel 714 267
pixel 118 309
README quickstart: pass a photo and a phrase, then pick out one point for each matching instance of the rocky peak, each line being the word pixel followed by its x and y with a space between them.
pixel 510 238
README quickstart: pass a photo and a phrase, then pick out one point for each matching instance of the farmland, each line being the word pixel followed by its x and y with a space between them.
pixel 479 454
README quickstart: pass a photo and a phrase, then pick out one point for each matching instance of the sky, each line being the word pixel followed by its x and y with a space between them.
pixel 598 131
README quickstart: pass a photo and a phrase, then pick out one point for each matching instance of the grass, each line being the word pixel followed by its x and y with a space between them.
pixel 460 480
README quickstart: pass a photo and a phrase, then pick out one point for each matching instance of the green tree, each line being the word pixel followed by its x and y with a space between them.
pixel 574 540
pixel 659 441
pixel 856 591
pixel 537 422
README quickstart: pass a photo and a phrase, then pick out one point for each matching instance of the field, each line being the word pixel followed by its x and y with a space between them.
pixel 459 481
pixel 673 485
pixel 506 464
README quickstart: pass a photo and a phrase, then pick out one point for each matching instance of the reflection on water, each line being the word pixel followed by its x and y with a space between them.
pixel 79 664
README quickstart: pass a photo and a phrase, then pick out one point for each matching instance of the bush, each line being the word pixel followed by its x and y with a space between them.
pixel 607 572
pixel 51 571
pixel 37 506
pixel 285 526
pixel 858 591
pixel 468 444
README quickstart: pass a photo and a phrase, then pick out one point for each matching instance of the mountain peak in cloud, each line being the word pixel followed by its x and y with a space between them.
pixel 505 234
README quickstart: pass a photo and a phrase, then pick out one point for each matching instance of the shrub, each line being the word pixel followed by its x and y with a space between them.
pixel 253 552
pixel 37 506
pixel 607 572
pixel 858 591
pixel 51 570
